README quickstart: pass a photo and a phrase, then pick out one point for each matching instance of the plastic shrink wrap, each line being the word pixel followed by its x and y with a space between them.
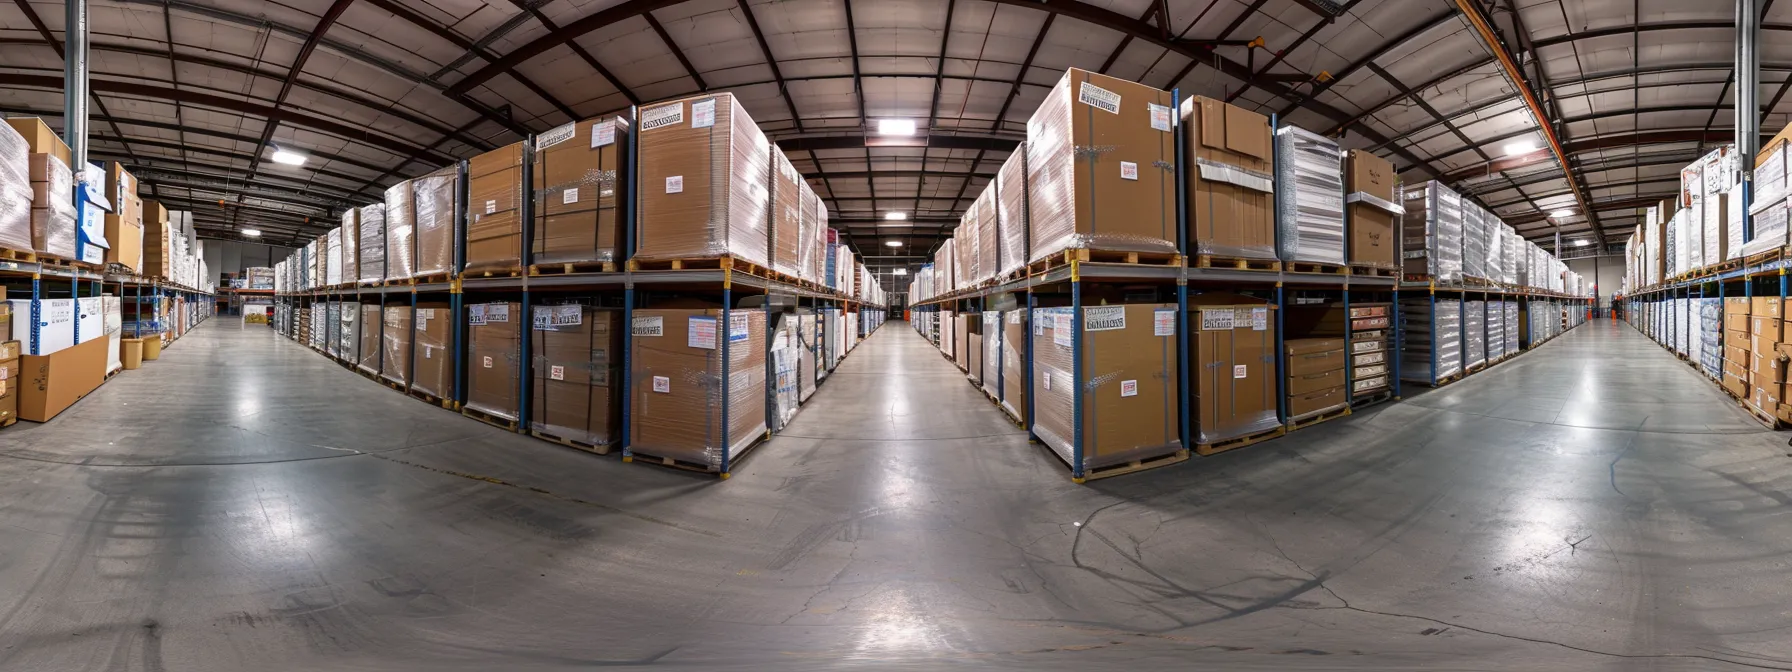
pixel 437 232
pixel 1432 339
pixel 578 169
pixel 401 230
pixel 788 244
pixel 577 373
pixel 395 344
pixel 1309 197
pixel 15 191
pixel 432 363
pixel 704 183
pixel 1233 375
pixel 371 345
pixel 1231 187
pixel 1128 382
pixel 495 210
pixel 372 245
pixel 682 390
pixel 1011 212
pixel 1101 156
pixel 52 204
pixel 494 352
pixel 348 248
pixel 1432 240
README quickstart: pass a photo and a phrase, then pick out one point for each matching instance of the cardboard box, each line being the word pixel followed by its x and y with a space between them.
pixel 1763 346
pixel 53 382
pixel 1765 399
pixel 1231 200
pixel 438 231
pixel 126 237
pixel 40 138
pixel 1317 401
pixel 787 242
pixel 1370 180
pixel 577 377
pixel 1120 199
pixel 1759 325
pixel 1769 306
pixel 1737 305
pixel 1314 355
pixel 395 344
pixel 401 231
pixel 9 349
pixel 494 351
pixel 1739 355
pixel 1736 322
pixel 970 324
pixel 704 184
pixel 1128 379
pixel 494 209
pixel 580 169
pixel 1313 382
pixel 1736 384
pixel 372 320
pixel 1232 339
pixel 1767 369
pixel 369 254
pixel 158 243
pixel 1014 369
pixel 679 388
pixel 432 370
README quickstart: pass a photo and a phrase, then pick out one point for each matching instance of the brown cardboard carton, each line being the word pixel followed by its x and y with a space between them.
pixel 974 349
pixel 1736 353
pixel 1769 306
pixel 349 241
pixel 1736 305
pixel 704 183
pixel 1370 179
pixel 961 340
pixel 1736 321
pixel 432 369
pixel 577 373
pixel 787 242
pixel 1316 401
pixel 1014 372
pixel 126 237
pixel 1230 201
pixel 1101 165
pixel 494 347
pixel 1314 362
pixel 9 406
pixel 1766 369
pixel 1764 326
pixel 680 388
pixel 1307 346
pixel 579 171
pixel 1232 338
pixel 1736 384
pixel 40 138
pixel 1313 382
pixel 401 231
pixel 989 248
pixel 9 350
pixel 395 344
pixel 494 209
pixel 438 233
pixel 1128 378
pixel 1762 346
pixel 51 383
pixel 372 321
pixel 1739 367
pixel 1765 399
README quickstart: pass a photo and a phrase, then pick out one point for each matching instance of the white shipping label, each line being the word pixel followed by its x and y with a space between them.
pixel 703 113
pixel 661 117
pixel 1129 170
pixel 1218 320
pixel 428 352
pixel 558 135
pixel 1240 371
pixel 1098 98
pixel 1014 317
pixel 648 326
pixel 738 326
pixel 603 133
pixel 1163 322
pixel 557 372
pixel 497 312
pixel 675 184
pixel 475 315
pixel 1370 358
pixel 702 333
pixel 487 361
pixel 1129 388
pixel 1061 330
pixel 1104 318
pixel 1160 117
pixel 1048 380
pixel 570 315
pixel 662 384
pixel 491 207
pixel 1259 319
pixel 569 196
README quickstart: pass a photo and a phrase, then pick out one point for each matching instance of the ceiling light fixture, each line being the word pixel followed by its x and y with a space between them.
pixel 252 233
pixel 1582 243
pixel 893 243
pixel 896 127
pixel 1521 147
pixel 899 271
pixel 895 216
pixel 284 157
pixel 1561 214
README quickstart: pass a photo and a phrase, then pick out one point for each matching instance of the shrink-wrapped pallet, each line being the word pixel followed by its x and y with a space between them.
pixel 395 344
pixel 578 171
pixel 577 373
pixel 1475 223
pixel 494 353
pixel 704 182
pixel 438 232
pixel 401 227
pixel 1011 212
pixel 788 244
pixel 369 342
pixel 1432 339
pixel 15 191
pixel 1127 381
pixel 1432 242
pixel 1101 156
pixel 1230 181
pixel 1233 376
pixel 1474 333
pixel 349 247
pixel 1309 197
pixel 372 244
pixel 432 356
pixel 495 209
pixel 52 199
pixel 681 388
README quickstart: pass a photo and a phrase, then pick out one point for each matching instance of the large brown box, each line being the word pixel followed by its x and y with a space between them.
pixel 40 138
pixel 395 344
pixel 1369 180
pixel 704 181
pixel 53 382
pixel 1764 326
pixel 494 350
pixel 1307 403
pixel 437 229
pixel 126 237
pixel 432 356
pixel 1735 305
pixel 578 174
pixel 1101 166
pixel 788 246
pixel 1314 355
pixel 961 337
pixel 1014 371
pixel 1232 338
pixel 577 378
pixel 1314 382
pixel 679 385
pixel 1231 199
pixel 989 242
pixel 495 209
pixel 1128 379
pixel 1762 345
pixel 1769 306
pixel 158 241
pixel 401 231
pixel 1736 321
pixel 1738 354
pixel 1766 368
pixel 972 323
pixel 1736 384
pixel 371 343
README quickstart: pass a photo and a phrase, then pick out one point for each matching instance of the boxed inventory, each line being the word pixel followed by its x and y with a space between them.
pixel 1232 338
pixel 495 210
pixel 1432 240
pixel 1014 369
pixel 682 388
pixel 1432 333
pixel 1309 198
pixel 348 248
pixel 432 365
pixel 1373 207
pixel 53 217
pixel 15 191
pixel 1231 211
pixel 992 354
pixel 395 344
pixel 1101 160
pixel 124 227
pixel 704 182
pixel 371 244
pixel 578 169
pixel 787 241
pixel 437 233
pixel 1315 369
pixel 577 377
pixel 401 231
pixel 1128 382
pixel 1011 212
pixel 494 348
pixel 371 343
pixel 52 382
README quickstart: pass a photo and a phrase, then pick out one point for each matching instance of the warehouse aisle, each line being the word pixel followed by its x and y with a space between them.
pixel 249 505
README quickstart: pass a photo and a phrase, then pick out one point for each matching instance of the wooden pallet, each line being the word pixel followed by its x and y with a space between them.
pixel 1316 418
pixel 493 273
pixel 569 268
pixel 432 278
pixel 1373 398
pixel 23 256
pixel 717 263
pixel 1084 256
pixel 1762 258
pixel 699 467
pixel 396 385
pixel 1726 267
pixel 1373 271
pixel 1134 466
pixel 1764 417
pixel 1311 267
pixel 430 399
pixel 1237 263
pixel 1239 442
pixel 494 420
pixel 603 449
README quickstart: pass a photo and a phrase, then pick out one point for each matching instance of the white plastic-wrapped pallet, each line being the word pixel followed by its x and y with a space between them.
pixel 1310 197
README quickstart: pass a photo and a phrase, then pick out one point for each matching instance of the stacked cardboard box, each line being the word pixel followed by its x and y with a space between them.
pixel 495 210
pixel 1432 238
pixel 370 244
pixel 991 322
pixel 395 344
pixel 1432 347
pixel 52 189
pixel 494 351
pixel 1100 155
pixel 1014 370
pixel 1770 191
pixel 1232 338
pixel 401 229
pixel 1372 205
pixel 1369 327
pixel 989 235
pixel 124 227
pixel 787 241
pixel 1231 211
pixel 158 243
pixel 9 381
pixel 432 368
pixel 15 191
pixel 438 234
pixel 1011 213
pixel 577 373
pixel 1128 382
pixel 1315 368
pixel 348 244
pixel 681 388
pixel 1767 365
pixel 970 327
pixel 371 344
pixel 578 170
pixel 703 183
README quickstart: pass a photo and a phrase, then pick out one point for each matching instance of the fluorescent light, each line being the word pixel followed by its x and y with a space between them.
pixel 896 127
pixel 899 271
pixel 1560 214
pixel 252 233
pixel 289 158
pixel 1521 147
pixel 1582 243
pixel 893 243
pixel 895 216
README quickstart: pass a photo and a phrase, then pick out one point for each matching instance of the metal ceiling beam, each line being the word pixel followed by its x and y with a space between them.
pixel 455 39
pixel 1602 206
pixel 902 174
pixel 765 50
pixel 590 60
pixel 50 39
pixel 1590 144
pixel 833 142
pixel 676 52
pixel 1484 29
pixel 1375 55
pixel 1021 75
pixel 1675 179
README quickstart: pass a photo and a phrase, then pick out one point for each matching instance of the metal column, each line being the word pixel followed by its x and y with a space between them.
pixel 74 85
pixel 1748 106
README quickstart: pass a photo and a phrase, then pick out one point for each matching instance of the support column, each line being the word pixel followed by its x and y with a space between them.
pixel 74 84
pixel 1748 87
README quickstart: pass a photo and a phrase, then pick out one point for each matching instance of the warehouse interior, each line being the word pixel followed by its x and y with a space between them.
pixel 925 334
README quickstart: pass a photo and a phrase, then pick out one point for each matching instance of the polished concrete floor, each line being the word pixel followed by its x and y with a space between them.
pixel 244 504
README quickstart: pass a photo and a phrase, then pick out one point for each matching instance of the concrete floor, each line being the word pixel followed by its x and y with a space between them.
pixel 246 504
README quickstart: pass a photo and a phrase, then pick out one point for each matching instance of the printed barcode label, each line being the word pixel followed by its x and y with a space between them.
pixel 1129 170
pixel 569 196
pixel 675 184
pixel 703 113
pixel 661 117
pixel 557 372
pixel 1160 117
pixel 1218 320
pixel 1098 98
pixel 603 133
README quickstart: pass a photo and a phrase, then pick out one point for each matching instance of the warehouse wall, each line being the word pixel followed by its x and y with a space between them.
pixel 232 256
pixel 1610 275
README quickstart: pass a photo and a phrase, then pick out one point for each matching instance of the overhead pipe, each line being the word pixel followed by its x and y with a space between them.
pixel 74 83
